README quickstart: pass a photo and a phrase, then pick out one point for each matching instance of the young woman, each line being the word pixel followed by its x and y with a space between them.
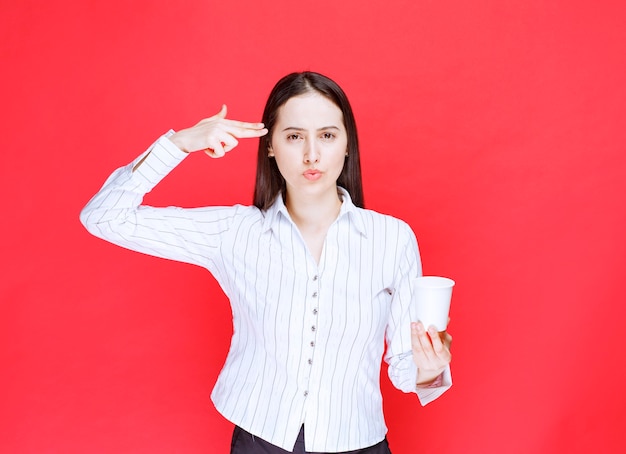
pixel 317 284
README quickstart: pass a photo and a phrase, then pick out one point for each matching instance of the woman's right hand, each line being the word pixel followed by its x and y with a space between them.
pixel 216 135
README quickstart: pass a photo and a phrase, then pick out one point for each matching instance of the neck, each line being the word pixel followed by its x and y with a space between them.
pixel 313 212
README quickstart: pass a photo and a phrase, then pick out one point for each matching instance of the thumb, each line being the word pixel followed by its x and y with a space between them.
pixel 222 112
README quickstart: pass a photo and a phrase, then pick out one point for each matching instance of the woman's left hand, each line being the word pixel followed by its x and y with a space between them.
pixel 431 352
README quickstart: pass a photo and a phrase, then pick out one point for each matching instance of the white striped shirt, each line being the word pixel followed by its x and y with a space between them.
pixel 308 338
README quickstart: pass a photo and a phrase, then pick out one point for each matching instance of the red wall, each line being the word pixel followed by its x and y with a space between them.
pixel 492 127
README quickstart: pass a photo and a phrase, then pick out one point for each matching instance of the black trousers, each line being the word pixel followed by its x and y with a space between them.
pixel 245 443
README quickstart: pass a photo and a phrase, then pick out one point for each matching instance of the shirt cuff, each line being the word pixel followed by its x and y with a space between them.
pixel 155 163
pixel 431 392
pixel 435 383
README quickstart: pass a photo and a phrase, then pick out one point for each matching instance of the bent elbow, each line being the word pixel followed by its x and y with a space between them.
pixel 86 218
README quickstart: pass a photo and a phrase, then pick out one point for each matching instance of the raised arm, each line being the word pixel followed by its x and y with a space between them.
pixel 117 215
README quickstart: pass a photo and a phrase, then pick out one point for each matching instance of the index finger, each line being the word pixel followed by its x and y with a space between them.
pixel 243 124
pixel 241 129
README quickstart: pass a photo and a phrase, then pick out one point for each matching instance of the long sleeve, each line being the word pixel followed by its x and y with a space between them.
pixel 307 336
pixel 402 369
pixel 115 213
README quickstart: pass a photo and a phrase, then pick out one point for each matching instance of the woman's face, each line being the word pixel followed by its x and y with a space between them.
pixel 309 142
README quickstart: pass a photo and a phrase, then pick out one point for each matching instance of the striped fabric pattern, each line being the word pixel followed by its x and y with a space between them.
pixel 308 338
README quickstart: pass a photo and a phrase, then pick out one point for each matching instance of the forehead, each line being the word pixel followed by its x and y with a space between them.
pixel 310 110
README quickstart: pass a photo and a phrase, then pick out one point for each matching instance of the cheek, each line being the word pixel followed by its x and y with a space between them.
pixel 339 163
pixel 341 150
pixel 284 163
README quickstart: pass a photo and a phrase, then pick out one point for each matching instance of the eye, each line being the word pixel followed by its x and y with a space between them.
pixel 328 136
pixel 293 137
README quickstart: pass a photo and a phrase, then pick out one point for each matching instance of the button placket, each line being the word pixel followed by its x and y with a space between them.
pixel 313 299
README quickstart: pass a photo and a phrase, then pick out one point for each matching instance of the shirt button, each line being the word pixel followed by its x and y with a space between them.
pixel 314 295
pixel 315 277
pixel 313 328
pixel 310 362
pixel 312 343
pixel 314 311
pixel 306 393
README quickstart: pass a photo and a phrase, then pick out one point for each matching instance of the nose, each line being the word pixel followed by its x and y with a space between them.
pixel 311 153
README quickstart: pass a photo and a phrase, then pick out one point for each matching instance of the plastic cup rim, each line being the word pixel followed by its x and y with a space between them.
pixel 436 281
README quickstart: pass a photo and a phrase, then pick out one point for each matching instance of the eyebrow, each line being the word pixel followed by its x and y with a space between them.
pixel 295 128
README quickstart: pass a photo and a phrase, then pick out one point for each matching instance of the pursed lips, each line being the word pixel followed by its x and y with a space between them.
pixel 312 174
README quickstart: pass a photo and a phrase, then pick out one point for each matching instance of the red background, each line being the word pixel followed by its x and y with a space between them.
pixel 491 126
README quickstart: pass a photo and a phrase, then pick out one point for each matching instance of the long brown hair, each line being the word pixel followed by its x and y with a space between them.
pixel 269 182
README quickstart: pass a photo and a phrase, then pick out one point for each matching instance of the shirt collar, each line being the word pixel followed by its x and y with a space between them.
pixel 278 208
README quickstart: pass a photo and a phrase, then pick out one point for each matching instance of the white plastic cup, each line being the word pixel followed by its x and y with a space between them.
pixel 432 298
